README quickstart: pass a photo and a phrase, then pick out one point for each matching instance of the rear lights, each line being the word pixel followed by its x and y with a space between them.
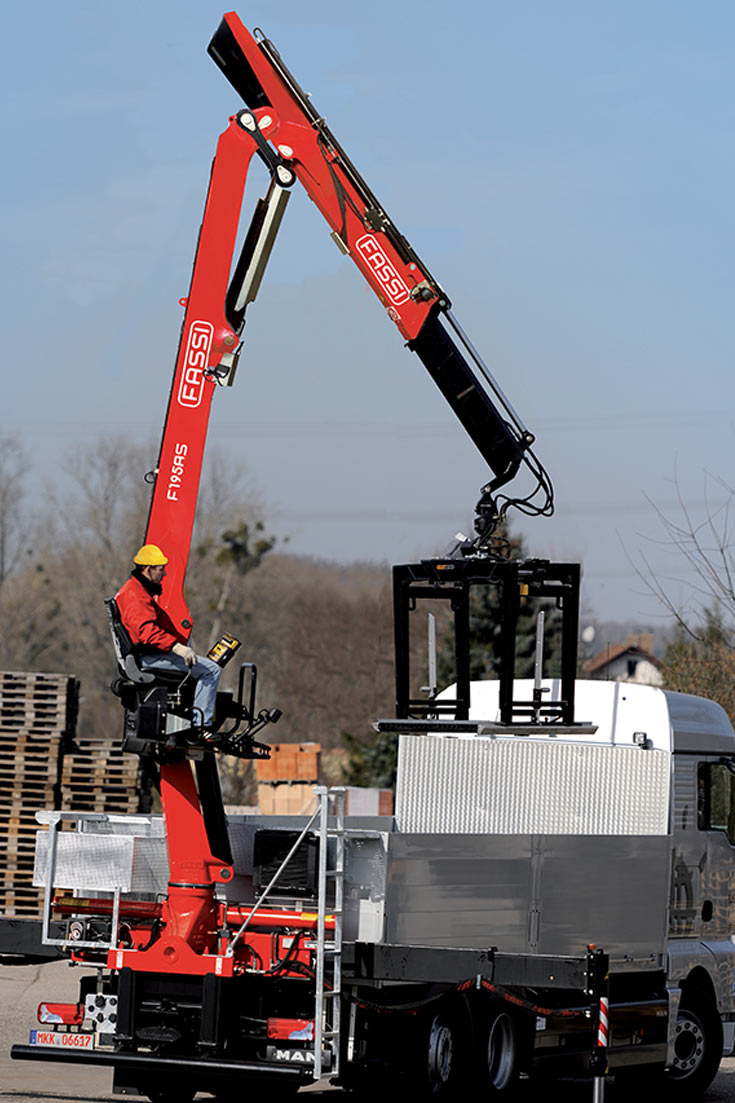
pixel 71 1014
pixel 291 1030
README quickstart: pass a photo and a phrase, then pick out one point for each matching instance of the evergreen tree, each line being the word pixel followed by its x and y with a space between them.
pixel 373 764
pixel 486 629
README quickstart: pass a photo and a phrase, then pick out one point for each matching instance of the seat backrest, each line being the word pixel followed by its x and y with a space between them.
pixel 124 649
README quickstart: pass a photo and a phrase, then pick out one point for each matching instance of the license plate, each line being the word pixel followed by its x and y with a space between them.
pixel 62 1039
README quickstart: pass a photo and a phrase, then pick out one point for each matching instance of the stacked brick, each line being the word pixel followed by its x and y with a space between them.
pixel 38 715
pixel 286 780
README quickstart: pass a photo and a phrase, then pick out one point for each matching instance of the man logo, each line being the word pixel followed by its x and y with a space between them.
pixel 198 348
pixel 377 261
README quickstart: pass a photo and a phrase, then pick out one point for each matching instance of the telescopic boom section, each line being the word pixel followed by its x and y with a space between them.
pixel 362 229
pixel 210 340
pixel 281 125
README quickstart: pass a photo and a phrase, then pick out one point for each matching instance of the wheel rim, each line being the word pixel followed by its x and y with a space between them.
pixel 689 1045
pixel 441 1049
pixel 501 1051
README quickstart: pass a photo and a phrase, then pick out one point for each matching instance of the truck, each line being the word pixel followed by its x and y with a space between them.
pixel 553 894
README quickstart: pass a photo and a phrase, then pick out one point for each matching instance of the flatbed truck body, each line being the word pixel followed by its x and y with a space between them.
pixel 512 862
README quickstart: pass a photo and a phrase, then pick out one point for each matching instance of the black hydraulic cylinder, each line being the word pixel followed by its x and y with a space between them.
pixel 445 362
pixel 213 810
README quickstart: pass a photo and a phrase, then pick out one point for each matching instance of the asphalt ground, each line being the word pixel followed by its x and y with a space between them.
pixel 23 987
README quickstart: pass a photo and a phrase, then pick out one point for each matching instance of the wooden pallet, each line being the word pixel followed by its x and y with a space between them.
pixel 19 856
pixel 20 791
pixel 107 761
pixel 14 762
pixel 31 713
pixel 100 764
pixel 94 802
pixel 28 749
pixel 32 679
pixel 41 769
pixel 37 704
pixel 21 878
pixel 36 721
pixel 30 746
pixel 69 794
pixel 10 830
pixel 19 903
pixel 103 781
pixel 23 697
pixel 19 815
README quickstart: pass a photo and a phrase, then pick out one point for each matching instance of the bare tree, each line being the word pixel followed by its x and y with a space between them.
pixel 13 527
pixel 244 548
pixel 706 548
pixel 701 657
pixel 106 511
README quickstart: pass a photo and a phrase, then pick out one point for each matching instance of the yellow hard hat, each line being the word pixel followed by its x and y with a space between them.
pixel 150 555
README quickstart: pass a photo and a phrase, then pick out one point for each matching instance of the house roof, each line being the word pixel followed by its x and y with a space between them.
pixel 641 646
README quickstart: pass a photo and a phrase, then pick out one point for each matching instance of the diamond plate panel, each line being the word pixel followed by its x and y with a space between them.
pixel 504 786
pixel 92 862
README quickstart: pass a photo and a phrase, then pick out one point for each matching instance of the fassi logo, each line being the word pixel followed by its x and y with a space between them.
pixel 390 281
pixel 198 348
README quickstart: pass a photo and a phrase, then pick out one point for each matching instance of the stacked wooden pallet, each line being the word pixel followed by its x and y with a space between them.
pixel 97 777
pixel 38 715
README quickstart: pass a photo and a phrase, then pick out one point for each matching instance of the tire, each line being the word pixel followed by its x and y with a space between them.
pixel 502 1054
pixel 446 1053
pixel 697 1051
pixel 441 1055
pixel 697 1056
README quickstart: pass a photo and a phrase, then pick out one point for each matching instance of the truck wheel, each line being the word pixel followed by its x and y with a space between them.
pixel 441 1054
pixel 697 1056
pixel 446 1053
pixel 503 1052
pixel 697 1052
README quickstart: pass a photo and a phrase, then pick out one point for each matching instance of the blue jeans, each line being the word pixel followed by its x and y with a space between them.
pixel 204 671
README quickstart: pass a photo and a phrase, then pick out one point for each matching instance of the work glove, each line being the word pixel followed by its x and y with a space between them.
pixel 188 654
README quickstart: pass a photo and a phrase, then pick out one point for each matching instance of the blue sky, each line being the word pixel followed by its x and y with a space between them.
pixel 564 169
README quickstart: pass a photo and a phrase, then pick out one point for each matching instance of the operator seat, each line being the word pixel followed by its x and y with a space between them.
pixel 158 704
pixel 127 660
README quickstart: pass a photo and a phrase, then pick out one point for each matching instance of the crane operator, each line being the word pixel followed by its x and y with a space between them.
pixel 157 642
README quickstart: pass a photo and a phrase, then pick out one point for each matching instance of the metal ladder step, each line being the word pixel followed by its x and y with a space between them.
pixel 327 1011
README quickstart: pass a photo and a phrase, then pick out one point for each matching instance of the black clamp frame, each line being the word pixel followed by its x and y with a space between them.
pixel 453 580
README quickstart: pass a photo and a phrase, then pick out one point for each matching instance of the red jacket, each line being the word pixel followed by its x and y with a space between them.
pixel 149 626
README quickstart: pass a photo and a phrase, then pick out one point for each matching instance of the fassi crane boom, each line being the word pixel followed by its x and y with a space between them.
pixel 283 128
pixel 190 984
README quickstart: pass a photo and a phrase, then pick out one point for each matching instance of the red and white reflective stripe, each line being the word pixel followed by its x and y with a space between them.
pixel 602 1022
